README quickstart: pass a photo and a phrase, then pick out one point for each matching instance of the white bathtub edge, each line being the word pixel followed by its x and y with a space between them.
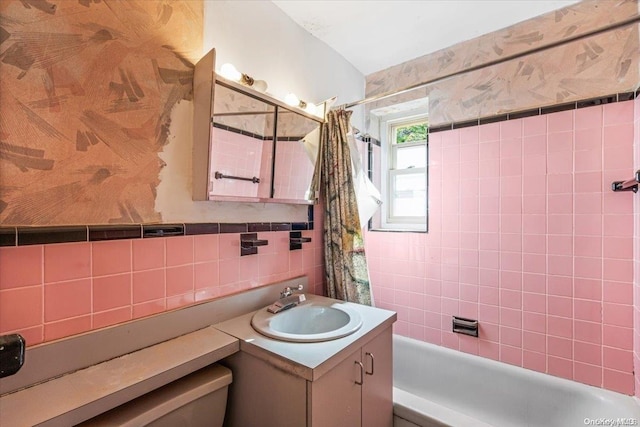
pixel 416 410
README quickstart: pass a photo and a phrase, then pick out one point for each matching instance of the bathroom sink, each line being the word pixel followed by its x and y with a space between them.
pixel 312 321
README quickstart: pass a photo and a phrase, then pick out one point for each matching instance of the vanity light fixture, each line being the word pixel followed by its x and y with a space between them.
pixel 292 99
pixel 230 72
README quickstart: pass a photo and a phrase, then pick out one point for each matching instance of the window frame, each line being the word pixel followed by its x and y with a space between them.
pixel 388 125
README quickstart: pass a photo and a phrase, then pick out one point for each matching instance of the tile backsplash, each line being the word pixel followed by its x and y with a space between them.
pixel 50 291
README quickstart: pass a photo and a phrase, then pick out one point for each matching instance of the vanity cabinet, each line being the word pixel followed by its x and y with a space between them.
pixel 358 391
pixel 355 391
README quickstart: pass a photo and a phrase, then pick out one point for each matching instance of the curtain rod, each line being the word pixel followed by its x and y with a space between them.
pixel 571 39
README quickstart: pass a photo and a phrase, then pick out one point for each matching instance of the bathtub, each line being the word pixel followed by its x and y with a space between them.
pixel 436 386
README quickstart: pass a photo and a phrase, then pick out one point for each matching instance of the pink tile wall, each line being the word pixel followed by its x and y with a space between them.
pixel 236 155
pixel 636 252
pixel 293 171
pixel 52 291
pixel 526 236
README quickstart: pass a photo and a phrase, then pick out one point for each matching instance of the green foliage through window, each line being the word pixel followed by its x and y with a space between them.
pixel 413 133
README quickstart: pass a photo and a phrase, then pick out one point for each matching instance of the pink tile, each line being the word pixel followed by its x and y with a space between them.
pixel 618 225
pixel 588 203
pixel 111 317
pixel 590 268
pixel 588 225
pixel 560 162
pixel 560 223
pixel 206 247
pixel 67 261
pixel 588 246
pixel 534 360
pixel 68 327
pixel 489 132
pixel 511 336
pixel 559 326
pixel 618 112
pixel 588 353
pixel 617 337
pixel 534 342
pixel 148 308
pixel 589 118
pixel 615 358
pixel 111 292
pixel 560 184
pixel 587 310
pixel 617 292
pixel 617 314
pixel 229 245
pixel 21 266
pixel 510 299
pixel 588 374
pixel 63 300
pixel 534 283
pixel 148 285
pixel 562 121
pixel 560 367
pixel 588 289
pixel 560 245
pixel 148 253
pixel 535 204
pixel 179 250
pixel 588 331
pixel 536 125
pixel 21 308
pixel 559 306
pixel 111 257
pixel 560 347
pixel 621 382
pixel 534 302
pixel 560 265
pixel 618 157
pixel 588 182
pixel 206 275
pixel 229 270
pixel 620 270
pixel 588 160
pixel 179 280
pixel 180 301
pixel 511 355
pixel 32 336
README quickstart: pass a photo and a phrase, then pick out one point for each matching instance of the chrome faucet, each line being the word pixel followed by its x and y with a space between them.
pixel 287 292
pixel 287 300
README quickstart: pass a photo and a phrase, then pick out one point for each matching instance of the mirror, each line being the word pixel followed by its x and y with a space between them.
pixel 249 146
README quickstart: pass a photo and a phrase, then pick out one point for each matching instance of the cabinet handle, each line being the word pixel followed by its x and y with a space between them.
pixel 361 373
pixel 372 360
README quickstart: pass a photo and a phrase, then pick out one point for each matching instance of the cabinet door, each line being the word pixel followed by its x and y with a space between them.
pixel 334 399
pixel 377 391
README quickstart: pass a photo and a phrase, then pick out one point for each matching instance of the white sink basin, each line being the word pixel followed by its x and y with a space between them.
pixel 311 321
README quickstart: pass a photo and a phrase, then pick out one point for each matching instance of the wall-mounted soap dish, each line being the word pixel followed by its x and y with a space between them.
pixel 249 243
pixel 296 240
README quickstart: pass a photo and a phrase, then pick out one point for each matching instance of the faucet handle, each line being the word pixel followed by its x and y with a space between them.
pixel 289 291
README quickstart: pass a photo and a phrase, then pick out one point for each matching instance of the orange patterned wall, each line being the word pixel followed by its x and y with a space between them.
pixel 86 92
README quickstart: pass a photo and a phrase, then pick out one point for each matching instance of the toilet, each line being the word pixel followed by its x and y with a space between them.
pixel 196 400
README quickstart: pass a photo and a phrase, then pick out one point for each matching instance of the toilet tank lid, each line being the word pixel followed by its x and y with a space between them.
pixel 157 403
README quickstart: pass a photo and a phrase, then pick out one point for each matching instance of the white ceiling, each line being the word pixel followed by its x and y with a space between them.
pixel 377 34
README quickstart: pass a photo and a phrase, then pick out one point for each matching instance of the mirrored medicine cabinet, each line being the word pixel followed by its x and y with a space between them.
pixel 249 146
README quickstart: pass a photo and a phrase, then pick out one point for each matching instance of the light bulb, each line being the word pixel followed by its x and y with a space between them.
pixel 292 100
pixel 260 85
pixel 230 72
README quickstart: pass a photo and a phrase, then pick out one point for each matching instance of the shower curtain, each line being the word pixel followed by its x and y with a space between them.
pixel 346 271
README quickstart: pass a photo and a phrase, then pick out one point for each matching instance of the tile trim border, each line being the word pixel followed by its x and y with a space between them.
pixel 42 235
pixel 591 102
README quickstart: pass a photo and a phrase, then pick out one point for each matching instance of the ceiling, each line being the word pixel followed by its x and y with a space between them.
pixel 377 34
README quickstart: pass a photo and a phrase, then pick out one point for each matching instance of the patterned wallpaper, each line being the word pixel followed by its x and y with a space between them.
pixel 86 92
pixel 598 65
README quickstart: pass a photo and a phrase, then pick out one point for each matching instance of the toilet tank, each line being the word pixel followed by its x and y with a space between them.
pixel 198 399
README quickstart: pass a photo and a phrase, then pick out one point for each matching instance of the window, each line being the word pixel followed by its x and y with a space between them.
pixel 405 183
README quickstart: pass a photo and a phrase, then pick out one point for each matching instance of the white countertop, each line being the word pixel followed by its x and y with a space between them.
pixel 308 360
pixel 83 394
